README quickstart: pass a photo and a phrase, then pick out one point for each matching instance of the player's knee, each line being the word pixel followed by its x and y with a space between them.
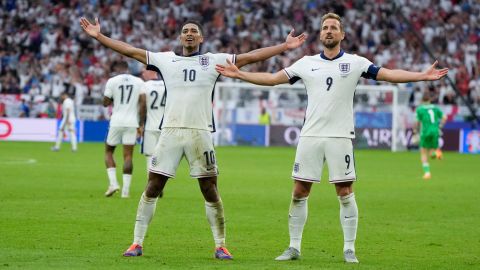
pixel 152 190
pixel 209 192
pixel 128 166
pixel 344 191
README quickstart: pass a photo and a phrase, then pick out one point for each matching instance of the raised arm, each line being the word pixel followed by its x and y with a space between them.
pixel 261 78
pixel 264 53
pixel 402 76
pixel 126 49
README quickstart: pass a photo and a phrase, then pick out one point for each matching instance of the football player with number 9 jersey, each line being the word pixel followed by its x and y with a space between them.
pixel 330 79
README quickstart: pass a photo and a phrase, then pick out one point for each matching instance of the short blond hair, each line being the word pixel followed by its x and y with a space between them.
pixel 334 16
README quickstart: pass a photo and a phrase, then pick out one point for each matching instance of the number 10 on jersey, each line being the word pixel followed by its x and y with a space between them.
pixel 189 74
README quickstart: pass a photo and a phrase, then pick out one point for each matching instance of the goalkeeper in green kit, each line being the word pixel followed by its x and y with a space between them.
pixel 430 121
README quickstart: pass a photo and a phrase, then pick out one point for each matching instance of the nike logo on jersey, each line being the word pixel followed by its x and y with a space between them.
pixel 313 69
pixel 175 60
pixel 347 173
pixel 349 217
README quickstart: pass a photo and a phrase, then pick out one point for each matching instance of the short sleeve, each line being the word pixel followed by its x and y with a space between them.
pixel 155 61
pixel 293 72
pixel 439 113
pixel 108 89
pixel 369 70
pixel 221 58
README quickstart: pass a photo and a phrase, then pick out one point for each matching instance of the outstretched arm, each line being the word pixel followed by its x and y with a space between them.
pixel 401 76
pixel 126 49
pixel 261 78
pixel 267 52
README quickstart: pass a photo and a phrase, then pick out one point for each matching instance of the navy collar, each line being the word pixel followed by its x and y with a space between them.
pixel 340 54
pixel 193 54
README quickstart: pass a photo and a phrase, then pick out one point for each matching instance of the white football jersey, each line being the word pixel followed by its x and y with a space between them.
pixel 125 90
pixel 189 84
pixel 330 85
pixel 68 105
pixel 155 95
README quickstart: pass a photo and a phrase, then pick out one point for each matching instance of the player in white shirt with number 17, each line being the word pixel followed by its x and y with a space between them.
pixel 330 79
pixel 127 94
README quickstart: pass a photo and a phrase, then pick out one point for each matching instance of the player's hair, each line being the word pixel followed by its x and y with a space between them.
pixel 119 66
pixel 193 22
pixel 334 16
pixel 426 97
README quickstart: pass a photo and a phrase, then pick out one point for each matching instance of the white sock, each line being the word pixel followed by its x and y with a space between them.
pixel 145 211
pixel 127 179
pixel 297 217
pixel 73 140
pixel 112 176
pixel 59 139
pixel 216 219
pixel 349 220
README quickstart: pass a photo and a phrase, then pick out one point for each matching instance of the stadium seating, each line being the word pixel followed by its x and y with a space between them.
pixel 44 52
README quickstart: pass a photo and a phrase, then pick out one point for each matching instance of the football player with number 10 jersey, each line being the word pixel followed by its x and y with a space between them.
pixel 187 122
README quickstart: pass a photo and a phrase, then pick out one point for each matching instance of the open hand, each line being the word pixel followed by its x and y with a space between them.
pixel 295 42
pixel 432 74
pixel 92 30
pixel 229 70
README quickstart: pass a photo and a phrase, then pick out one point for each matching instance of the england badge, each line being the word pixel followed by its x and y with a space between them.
pixel 204 61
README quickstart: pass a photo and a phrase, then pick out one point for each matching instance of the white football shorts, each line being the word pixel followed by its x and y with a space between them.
pixel 122 135
pixel 312 152
pixel 195 144
pixel 63 126
pixel 150 139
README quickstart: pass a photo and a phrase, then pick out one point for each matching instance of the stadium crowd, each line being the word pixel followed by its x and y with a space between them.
pixel 43 51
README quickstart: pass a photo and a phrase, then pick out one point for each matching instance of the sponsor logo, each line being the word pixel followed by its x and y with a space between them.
pixel 349 217
pixel 314 69
pixel 347 173
pixel 204 61
pixel 6 130
pixel 175 60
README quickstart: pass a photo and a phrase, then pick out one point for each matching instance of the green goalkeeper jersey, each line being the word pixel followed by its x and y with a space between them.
pixel 430 117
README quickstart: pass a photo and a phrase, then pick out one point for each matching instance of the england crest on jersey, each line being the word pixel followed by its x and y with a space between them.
pixel 204 61
pixel 344 69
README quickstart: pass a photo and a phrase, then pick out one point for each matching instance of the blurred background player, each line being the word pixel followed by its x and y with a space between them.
pixel 430 121
pixel 67 124
pixel 330 79
pixel 187 122
pixel 127 94
pixel 155 106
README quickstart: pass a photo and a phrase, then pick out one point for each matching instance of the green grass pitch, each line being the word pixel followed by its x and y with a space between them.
pixel 53 214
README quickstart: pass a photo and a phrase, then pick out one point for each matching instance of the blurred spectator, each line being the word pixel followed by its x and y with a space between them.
pixel 3 112
pixel 44 52
pixel 264 118
pixel 25 109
